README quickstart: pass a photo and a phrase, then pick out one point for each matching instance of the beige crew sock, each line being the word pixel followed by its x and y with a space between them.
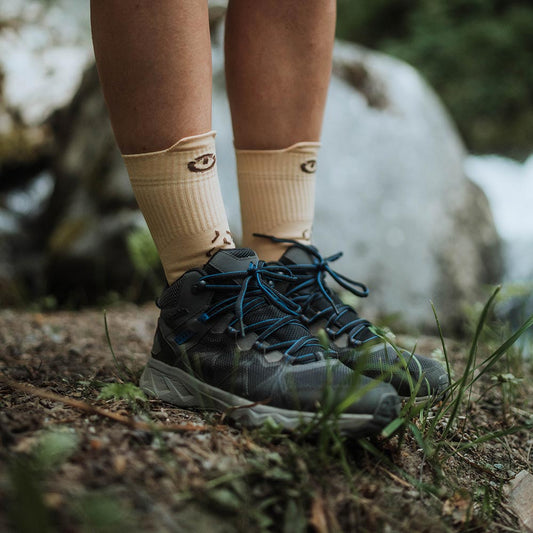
pixel 179 195
pixel 277 193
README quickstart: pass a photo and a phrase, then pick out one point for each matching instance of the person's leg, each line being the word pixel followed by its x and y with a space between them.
pixel 278 65
pixel 154 62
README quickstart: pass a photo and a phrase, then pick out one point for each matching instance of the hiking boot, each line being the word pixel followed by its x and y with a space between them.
pixel 352 336
pixel 226 339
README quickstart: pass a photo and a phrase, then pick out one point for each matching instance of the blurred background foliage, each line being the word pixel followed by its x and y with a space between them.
pixel 70 231
pixel 477 54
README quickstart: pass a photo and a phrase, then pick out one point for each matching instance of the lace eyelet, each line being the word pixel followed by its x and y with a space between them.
pixel 305 319
pixel 203 318
pixel 198 286
pixel 331 333
pixel 356 343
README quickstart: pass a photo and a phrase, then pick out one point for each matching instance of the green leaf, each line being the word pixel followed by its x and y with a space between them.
pixel 54 448
pixel 122 391
pixel 225 499
pixel 294 520
pixel 142 250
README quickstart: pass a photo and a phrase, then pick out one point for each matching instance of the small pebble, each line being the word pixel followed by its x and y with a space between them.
pixel 95 444
pixel 120 463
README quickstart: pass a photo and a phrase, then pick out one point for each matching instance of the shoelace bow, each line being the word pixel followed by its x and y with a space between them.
pixel 312 276
pixel 256 290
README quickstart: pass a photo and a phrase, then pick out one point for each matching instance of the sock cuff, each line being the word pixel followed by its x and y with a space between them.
pixel 299 161
pixel 194 142
pixel 186 143
pixel 192 156
pixel 303 146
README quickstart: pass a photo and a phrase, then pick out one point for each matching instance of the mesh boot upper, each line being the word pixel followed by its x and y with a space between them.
pixel 229 327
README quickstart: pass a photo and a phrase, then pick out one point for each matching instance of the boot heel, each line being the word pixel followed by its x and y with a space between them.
pixel 158 384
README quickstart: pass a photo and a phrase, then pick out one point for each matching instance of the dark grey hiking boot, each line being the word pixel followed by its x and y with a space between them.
pixel 226 339
pixel 352 336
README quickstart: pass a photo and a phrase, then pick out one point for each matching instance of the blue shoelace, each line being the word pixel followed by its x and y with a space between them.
pixel 312 288
pixel 255 291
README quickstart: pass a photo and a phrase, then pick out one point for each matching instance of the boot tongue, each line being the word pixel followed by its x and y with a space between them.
pixel 238 260
pixel 235 260
pixel 297 256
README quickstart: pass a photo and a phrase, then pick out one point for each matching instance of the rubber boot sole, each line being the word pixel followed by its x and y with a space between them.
pixel 175 386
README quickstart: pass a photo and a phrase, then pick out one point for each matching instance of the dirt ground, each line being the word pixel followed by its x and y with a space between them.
pixel 71 461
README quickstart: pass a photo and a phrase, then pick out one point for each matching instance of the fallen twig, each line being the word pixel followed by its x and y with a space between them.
pixel 396 478
pixel 100 411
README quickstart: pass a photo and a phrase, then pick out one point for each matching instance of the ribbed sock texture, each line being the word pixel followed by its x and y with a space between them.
pixel 178 192
pixel 277 195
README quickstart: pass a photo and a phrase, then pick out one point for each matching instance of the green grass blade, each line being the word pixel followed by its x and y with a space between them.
pixel 443 344
pixel 391 428
pixel 495 356
pixel 118 366
pixel 463 381
pixel 490 436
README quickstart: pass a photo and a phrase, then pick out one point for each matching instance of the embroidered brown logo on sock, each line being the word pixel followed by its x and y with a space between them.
pixel 202 163
pixel 309 166
pixel 226 239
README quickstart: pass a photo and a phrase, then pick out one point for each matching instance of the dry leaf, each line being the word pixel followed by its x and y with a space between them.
pixel 457 507
pixel 120 463
pixel 318 520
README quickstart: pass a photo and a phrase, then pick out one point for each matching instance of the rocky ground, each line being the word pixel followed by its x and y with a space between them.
pixel 81 454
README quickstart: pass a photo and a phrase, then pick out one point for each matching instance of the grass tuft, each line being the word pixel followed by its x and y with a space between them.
pixel 122 391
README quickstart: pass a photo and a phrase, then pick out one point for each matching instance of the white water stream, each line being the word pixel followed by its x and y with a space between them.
pixel 508 185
